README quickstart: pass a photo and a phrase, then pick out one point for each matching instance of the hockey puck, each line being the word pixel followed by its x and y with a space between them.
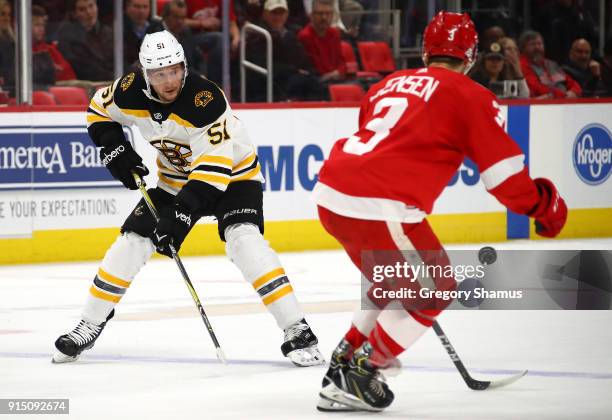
pixel 474 298
pixel 487 255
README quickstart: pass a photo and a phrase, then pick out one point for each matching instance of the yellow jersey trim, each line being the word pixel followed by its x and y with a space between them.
pixel 218 160
pixel 220 179
pixel 180 121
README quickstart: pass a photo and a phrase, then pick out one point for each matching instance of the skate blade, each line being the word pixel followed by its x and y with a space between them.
pixel 310 356
pixel 59 357
pixel 333 393
pixel 328 406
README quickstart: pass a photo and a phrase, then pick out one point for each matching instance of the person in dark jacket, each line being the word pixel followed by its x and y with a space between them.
pixel 86 43
pixel 137 22
pixel 584 70
pixel 294 77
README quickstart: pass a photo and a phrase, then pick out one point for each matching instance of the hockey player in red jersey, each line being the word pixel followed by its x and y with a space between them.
pixel 415 128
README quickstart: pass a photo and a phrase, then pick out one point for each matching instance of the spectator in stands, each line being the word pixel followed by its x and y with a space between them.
pixel 293 75
pixel 48 64
pixel 298 15
pixel 252 11
pixel 350 15
pixel 513 59
pixel 56 11
pixel 322 42
pixel 500 73
pixel 490 35
pixel 545 78
pixel 561 22
pixel 204 16
pixel 174 15
pixel 7 47
pixel 583 69
pixel 606 67
pixel 137 22
pixel 7 32
pixel 248 11
pixel 86 43
pixel 204 19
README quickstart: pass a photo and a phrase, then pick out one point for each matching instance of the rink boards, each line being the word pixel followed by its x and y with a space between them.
pixel 58 203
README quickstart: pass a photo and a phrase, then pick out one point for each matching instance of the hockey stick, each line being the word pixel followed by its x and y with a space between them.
pixel 486 256
pixel 145 195
pixel 472 383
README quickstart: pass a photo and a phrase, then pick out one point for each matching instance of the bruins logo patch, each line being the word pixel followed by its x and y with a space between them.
pixel 126 82
pixel 202 98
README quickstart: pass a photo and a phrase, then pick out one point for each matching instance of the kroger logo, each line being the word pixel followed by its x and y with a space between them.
pixel 593 154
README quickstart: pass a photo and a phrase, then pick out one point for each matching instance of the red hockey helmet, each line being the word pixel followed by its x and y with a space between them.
pixel 451 35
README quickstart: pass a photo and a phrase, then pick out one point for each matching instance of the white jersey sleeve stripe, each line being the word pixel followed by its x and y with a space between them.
pixel 502 170
pixel 368 208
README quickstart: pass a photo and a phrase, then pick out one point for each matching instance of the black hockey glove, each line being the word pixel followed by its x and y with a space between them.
pixel 174 223
pixel 121 159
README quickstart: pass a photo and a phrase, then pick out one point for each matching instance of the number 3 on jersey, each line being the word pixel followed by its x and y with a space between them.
pixel 380 126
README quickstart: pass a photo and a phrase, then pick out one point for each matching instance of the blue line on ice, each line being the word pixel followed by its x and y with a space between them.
pixel 273 363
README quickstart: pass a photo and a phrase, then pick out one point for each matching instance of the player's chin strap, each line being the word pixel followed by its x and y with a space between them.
pixel 148 93
pixel 145 195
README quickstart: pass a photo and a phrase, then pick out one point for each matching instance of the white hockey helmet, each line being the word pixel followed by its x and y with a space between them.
pixel 160 49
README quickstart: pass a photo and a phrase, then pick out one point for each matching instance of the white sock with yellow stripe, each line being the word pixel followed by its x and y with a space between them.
pixel 122 261
pixel 260 266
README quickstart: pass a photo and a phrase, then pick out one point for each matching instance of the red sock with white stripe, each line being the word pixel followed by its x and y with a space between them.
pixel 361 326
pixel 395 331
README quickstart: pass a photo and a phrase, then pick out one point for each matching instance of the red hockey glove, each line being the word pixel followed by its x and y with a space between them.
pixel 550 213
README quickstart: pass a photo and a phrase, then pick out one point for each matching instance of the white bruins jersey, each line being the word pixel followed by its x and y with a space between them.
pixel 197 136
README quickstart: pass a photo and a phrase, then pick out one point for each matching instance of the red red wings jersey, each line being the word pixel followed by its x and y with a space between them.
pixel 415 128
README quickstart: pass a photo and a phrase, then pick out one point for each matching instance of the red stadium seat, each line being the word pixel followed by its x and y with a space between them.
pixel 352 67
pixel 346 93
pixel 69 95
pixel 376 56
pixel 40 97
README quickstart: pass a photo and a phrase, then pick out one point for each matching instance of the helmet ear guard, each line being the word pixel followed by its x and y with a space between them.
pixel 451 35
pixel 158 50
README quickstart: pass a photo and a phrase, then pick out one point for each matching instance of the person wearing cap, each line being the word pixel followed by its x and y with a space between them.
pixel 294 77
pixel 498 71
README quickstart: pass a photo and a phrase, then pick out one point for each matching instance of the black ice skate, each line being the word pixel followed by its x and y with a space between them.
pixel 338 365
pixel 364 386
pixel 70 346
pixel 300 345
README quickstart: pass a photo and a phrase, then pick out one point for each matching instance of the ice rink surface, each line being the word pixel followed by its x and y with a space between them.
pixel 156 361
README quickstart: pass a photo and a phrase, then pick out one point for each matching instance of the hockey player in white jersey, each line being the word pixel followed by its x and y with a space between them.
pixel 206 166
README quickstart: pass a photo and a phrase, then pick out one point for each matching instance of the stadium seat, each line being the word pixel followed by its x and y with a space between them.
pixel 352 67
pixel 376 56
pixel 346 93
pixel 40 97
pixel 69 95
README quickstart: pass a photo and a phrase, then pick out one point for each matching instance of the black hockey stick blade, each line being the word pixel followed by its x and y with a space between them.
pixel 472 383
